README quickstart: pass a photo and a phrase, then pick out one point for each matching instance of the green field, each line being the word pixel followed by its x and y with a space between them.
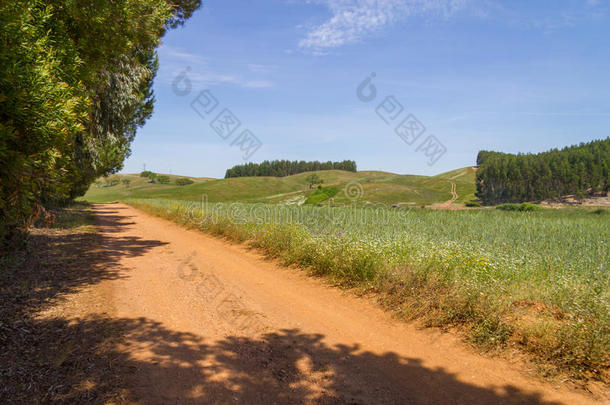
pixel 376 187
pixel 533 280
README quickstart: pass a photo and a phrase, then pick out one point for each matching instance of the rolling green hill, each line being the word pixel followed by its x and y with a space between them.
pixel 369 186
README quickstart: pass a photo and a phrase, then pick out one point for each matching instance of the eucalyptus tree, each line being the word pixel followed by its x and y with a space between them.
pixel 75 84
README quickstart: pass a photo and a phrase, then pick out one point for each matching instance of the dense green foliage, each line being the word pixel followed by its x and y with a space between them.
pixel 537 280
pixel 75 83
pixel 314 179
pixel 154 177
pixel 281 168
pixel 576 170
pixel 523 207
pixel 163 179
pixel 184 181
pixel 322 194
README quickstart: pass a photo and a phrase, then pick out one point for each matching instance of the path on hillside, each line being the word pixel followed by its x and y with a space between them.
pixel 214 322
pixel 454 194
pixel 449 203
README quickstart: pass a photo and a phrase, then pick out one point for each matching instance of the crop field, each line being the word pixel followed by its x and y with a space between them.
pixel 534 280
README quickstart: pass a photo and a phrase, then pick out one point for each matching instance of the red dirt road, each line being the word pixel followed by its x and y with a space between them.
pixel 213 322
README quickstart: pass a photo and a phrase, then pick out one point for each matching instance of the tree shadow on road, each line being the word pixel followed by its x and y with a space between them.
pixel 58 260
pixel 292 367
pixel 97 359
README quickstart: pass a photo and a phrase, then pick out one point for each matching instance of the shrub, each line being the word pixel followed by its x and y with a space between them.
pixel 322 194
pixel 529 207
pixel 524 207
pixel 314 179
pixel 184 181
pixel 150 175
pixel 163 179
pixel 472 204
pixel 112 181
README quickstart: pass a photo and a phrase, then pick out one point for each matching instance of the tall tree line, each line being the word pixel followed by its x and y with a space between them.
pixel 281 168
pixel 579 170
pixel 75 84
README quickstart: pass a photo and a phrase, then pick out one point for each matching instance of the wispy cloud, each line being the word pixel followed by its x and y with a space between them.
pixel 203 72
pixel 202 78
pixel 561 14
pixel 181 55
pixel 351 21
pixel 257 84
pixel 258 68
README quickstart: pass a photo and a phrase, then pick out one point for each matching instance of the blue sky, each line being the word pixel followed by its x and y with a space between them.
pixel 518 76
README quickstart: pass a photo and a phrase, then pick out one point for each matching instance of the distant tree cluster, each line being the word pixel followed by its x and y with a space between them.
pixel 281 168
pixel 151 176
pixel 163 179
pixel 579 170
pixel 314 179
pixel 184 181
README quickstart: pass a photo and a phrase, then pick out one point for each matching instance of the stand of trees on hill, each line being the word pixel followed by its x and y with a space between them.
pixel 581 170
pixel 281 168
pixel 75 84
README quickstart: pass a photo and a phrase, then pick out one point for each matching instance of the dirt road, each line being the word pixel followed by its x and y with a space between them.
pixel 211 322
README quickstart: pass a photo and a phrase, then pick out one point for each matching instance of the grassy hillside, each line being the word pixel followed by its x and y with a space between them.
pixel 371 186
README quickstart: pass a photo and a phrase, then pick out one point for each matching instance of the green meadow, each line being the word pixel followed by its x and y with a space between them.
pixel 376 187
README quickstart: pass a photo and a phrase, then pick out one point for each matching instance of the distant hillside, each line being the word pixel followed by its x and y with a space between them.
pixel 368 186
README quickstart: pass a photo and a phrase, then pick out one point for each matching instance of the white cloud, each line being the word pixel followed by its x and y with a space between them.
pixel 352 20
